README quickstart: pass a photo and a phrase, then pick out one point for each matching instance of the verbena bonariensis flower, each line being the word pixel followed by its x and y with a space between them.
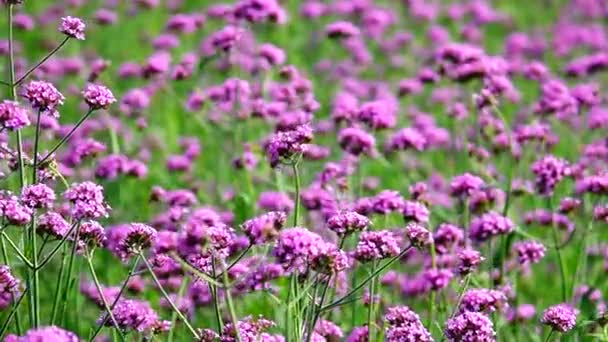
pixel 330 260
pixel 387 201
pixel 405 139
pixel 52 223
pixel 249 329
pixel 264 228
pixel 37 196
pixel 341 30
pixel 419 236
pixel 358 334
pixel 415 211
pixel 464 185
pixel 549 171
pixel 72 27
pixel 376 245
pixel 9 287
pixel 437 278
pixel 329 330
pixel 137 238
pixel 521 313
pixel 284 146
pixel 483 300
pixel 296 247
pixel 50 333
pixel 44 97
pixel 468 260
pixel 470 327
pixel 134 315
pixel 529 252
pixel 87 200
pixel 13 211
pixel 356 141
pixel 348 222
pixel 13 116
pixel 92 234
pixel 405 325
pixel 489 225
pixel 446 237
pixel 560 317
pixel 98 96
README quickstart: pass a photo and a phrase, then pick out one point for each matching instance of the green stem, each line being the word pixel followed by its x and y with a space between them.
pixel 367 280
pixel 22 257
pixel 296 211
pixel 549 336
pixel 166 295
pixel 59 283
pixel 15 304
pixel 54 251
pixel 103 297
pixel 370 308
pixel 32 69
pixel 14 312
pixel 180 295
pixel 231 307
pixel 216 304
pixel 122 290
pixel 69 276
pixel 66 137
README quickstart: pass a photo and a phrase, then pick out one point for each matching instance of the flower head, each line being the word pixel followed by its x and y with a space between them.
pixel 13 116
pixel 43 96
pixel 347 222
pixel 560 317
pixel 37 196
pixel 98 96
pixel 376 245
pixel 87 199
pixel 72 27
pixel 470 327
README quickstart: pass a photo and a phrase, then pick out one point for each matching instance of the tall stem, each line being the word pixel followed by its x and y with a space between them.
pixel 556 243
pixel 59 284
pixel 235 321
pixel 103 297
pixel 370 308
pixel 296 211
pixel 180 294
pixel 69 277
pixel 32 69
pixel 216 303
pixel 33 240
pixel 15 304
pixel 67 136
pixel 166 295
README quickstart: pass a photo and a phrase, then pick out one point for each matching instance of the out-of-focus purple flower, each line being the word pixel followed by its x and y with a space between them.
pixel 138 238
pixel 296 247
pixel 521 313
pixel 356 141
pixel 72 27
pixel 13 116
pixel 468 260
pixel 9 287
pixel 549 170
pixel 341 30
pixel 529 252
pixel 98 96
pixel 483 300
pixel 560 317
pixel 376 245
pixel 387 201
pixel 405 325
pixel 134 315
pixel 489 225
pixel 465 184
pixel 329 330
pixel 275 201
pixel 330 260
pixel 44 97
pixel 415 211
pixel 470 326
pixel 50 333
pixel 447 236
pixel 347 222
pixel 283 146
pixel 419 236
pixel 437 278
pixel 264 228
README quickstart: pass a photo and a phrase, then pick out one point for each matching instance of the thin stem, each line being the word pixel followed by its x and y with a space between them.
pixel 35 277
pixel 549 336
pixel 467 280
pixel 67 137
pixel 370 308
pixel 166 295
pixel 50 256
pixel 231 308
pixel 14 312
pixel 216 304
pixel 49 55
pixel 122 290
pixel 235 261
pixel 367 280
pixel 103 297
pixel 68 283
pixel 15 304
pixel 562 265
pixel 59 284
pixel 180 294
pixel 296 211
pixel 18 251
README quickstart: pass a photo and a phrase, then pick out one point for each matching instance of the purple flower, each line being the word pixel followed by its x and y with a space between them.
pixel 222 40
pixel 51 333
pixel 264 228
pixel 13 116
pixel 53 223
pixel 138 237
pixel 330 260
pixel 43 96
pixel 296 247
pixel 404 139
pixel 376 245
pixel 521 313
pixel 341 30
pixel 560 317
pixel 489 225
pixel 419 236
pixel 72 27
pixel 347 222
pixel 483 300
pixel 133 315
pixel 14 212
pixel 98 96
pixel 465 185
pixel 415 211
pixel 468 260
pixel 87 200
pixel 405 325
pixel 275 201
pixel 549 171
pixel 284 146
pixel 356 141
pixel 358 334
pixel 329 330
pixel 37 196
pixel 437 279
pixel 250 330
pixel 92 234
pixel 470 327
pixel 529 252
pixel 9 287
pixel 387 201
pixel 447 236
